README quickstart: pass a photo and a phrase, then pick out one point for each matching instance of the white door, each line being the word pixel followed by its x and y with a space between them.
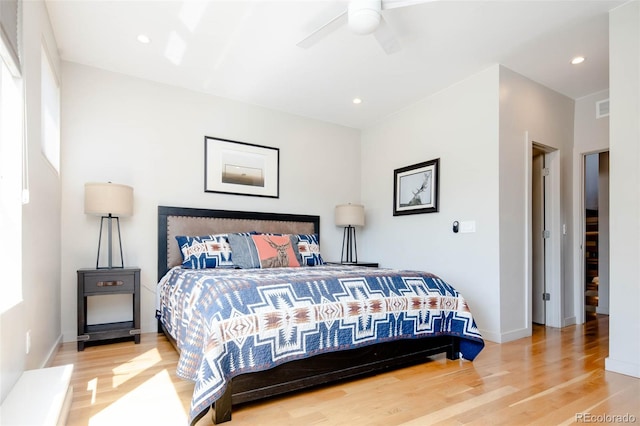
pixel 537 230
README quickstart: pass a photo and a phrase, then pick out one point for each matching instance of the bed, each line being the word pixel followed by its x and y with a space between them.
pixel 271 328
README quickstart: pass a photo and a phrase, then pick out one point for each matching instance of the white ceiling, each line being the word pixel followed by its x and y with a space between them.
pixel 246 50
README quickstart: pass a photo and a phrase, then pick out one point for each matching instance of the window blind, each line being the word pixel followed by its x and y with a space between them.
pixel 9 47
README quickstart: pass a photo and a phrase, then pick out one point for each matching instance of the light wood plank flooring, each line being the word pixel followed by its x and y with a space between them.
pixel 555 377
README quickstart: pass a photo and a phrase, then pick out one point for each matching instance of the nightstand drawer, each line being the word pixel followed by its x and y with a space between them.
pixel 115 283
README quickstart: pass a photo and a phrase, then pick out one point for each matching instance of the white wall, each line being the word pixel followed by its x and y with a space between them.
pixel 459 125
pixel 624 59
pixel 532 113
pixel 39 311
pixel 478 129
pixel 591 133
pixel 150 136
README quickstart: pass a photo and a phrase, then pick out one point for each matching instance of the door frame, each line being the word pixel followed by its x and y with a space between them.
pixel 580 226
pixel 538 272
pixel 553 247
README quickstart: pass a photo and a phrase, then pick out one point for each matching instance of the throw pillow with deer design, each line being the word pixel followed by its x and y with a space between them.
pixel 275 251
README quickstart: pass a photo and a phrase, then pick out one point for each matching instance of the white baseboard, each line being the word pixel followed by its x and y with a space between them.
pixel 515 335
pixel 505 337
pixel 622 367
pixel 52 352
pixel 490 336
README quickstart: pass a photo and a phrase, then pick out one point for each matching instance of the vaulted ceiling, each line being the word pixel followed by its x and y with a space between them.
pixel 247 50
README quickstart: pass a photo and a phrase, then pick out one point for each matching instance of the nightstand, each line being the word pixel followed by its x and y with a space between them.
pixel 367 264
pixel 100 282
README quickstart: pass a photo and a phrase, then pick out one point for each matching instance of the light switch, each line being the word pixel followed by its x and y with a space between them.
pixel 468 226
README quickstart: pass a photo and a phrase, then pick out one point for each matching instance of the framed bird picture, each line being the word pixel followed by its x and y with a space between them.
pixel 415 188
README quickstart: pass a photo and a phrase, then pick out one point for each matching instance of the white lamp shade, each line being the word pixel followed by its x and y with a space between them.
pixel 349 214
pixel 108 198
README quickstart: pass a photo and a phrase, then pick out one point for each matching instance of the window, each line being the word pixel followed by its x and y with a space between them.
pixel 11 185
pixel 50 115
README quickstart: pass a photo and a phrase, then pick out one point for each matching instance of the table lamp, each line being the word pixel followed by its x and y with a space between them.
pixel 110 201
pixel 349 216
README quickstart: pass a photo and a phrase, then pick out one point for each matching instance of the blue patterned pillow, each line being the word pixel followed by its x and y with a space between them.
pixel 245 253
pixel 208 251
pixel 309 250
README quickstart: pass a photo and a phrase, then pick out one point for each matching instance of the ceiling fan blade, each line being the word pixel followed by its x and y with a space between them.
pixel 393 4
pixel 323 31
pixel 386 38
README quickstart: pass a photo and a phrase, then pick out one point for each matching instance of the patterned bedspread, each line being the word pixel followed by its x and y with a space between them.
pixel 228 321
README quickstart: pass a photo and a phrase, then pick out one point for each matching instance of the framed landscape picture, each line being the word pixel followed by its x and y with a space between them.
pixel 415 188
pixel 241 168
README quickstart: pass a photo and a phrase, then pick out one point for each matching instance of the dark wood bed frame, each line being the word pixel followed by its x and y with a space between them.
pixel 298 374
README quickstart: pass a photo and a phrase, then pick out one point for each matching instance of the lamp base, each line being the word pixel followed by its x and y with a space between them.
pixel 349 246
pixel 110 264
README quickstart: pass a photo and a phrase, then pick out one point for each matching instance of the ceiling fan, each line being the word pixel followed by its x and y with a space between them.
pixel 364 17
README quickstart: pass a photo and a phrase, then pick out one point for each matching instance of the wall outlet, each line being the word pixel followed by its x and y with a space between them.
pixel 28 342
pixel 467 226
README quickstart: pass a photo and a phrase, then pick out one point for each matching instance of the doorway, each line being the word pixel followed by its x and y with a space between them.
pixel 537 241
pixel 545 236
pixel 596 235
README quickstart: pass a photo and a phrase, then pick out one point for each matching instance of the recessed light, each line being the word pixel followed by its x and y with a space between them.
pixel 144 39
pixel 577 60
pixel 357 101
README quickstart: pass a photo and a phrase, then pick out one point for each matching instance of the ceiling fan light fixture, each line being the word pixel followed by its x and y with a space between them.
pixel 364 16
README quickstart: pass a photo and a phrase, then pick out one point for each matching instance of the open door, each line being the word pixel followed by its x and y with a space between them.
pixel 545 236
pixel 538 313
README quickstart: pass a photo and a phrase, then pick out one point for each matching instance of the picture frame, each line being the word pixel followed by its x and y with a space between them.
pixel 241 168
pixel 416 188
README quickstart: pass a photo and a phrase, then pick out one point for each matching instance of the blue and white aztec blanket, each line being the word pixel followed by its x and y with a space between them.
pixel 228 322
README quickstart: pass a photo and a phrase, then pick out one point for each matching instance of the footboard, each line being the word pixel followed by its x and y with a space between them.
pixel 327 368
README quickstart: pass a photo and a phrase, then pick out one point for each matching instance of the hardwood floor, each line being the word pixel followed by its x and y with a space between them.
pixel 555 377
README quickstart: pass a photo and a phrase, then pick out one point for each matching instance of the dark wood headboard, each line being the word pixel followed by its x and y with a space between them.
pixel 173 221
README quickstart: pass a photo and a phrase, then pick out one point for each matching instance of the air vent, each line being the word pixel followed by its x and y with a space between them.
pixel 602 108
